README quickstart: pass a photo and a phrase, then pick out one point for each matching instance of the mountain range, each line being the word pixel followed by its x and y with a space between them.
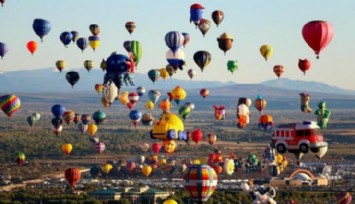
pixel 49 80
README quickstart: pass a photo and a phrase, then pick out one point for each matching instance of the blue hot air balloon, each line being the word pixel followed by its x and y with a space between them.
pixel 66 37
pixel 3 49
pixel 135 116
pixel 174 40
pixel 58 110
pixel 127 45
pixel 41 27
pixel 82 43
pixel 196 11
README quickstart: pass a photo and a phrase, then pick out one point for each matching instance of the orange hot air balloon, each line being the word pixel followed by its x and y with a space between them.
pixel 278 70
pixel 72 175
pixel 211 138
pixel 260 103
pixel 218 169
pixel 92 128
pixel 99 88
pixel 165 105
pixel 147 170
pixel 204 93
pixel 32 46
pixel 104 102
pixel 67 148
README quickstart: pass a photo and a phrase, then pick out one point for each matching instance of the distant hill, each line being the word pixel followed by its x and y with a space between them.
pixel 51 81
pixel 306 86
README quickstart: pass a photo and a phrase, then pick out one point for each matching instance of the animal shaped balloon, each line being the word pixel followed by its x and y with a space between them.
pixel 322 114
pixel 305 98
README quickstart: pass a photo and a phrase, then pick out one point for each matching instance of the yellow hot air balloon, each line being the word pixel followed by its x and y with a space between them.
pixel 60 64
pixel 169 127
pixel 147 170
pixel 170 201
pixel 67 148
pixel 123 97
pixel 177 94
pixel 94 42
pixel 164 73
pixel 92 128
pixel 106 168
pixel 149 105
pixel 266 51
pixel 162 162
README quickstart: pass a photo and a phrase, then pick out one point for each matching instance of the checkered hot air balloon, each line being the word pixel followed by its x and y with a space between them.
pixel 200 182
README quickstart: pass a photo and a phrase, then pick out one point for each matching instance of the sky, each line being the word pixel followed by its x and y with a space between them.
pixel 251 23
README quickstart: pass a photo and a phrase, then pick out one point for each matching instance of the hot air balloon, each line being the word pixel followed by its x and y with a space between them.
pixel 99 117
pixel 72 175
pixel 123 97
pixel 92 128
pixel 196 11
pixel 88 64
pixel 99 88
pixel 72 77
pixel 191 105
pixel 68 116
pixel 106 168
pixel 186 38
pixel 3 49
pixel 20 158
pixel 127 45
pixel 66 37
pixel 174 40
pixel 211 138
pixel 169 126
pixel 202 59
pixel 77 118
pixel 60 64
pixel 9 104
pixel 41 27
pixel 133 97
pixel 154 95
pixel 165 105
pixel 344 198
pixel 30 120
pixel 36 116
pixel 304 65
pixel 56 122
pixel 156 148
pixel 57 130
pixel 75 35
pixel 85 119
pixel 217 17
pixel 149 105
pixel 103 65
pixel 229 166
pixel 94 42
pixel 110 92
pixel 191 73
pixel 130 26
pixel 232 65
pixel 322 114
pixel 154 75
pixel 94 171
pixel 265 122
pixel 169 146
pixel 219 112
pixel 176 60
pixel 94 29
pixel 135 116
pixel 144 147
pixel 32 46
pixel 170 69
pixel 225 42
pixel 200 181
pixel 278 70
pixel 83 127
pixel 317 34
pixel 204 25
pixel 137 51
pixel 196 135
pixel 99 147
pixel 260 103
pixel 67 148
pixel 140 90
pixel 304 101
pixel 177 94
pixel 164 73
pixel 82 43
pixel 184 111
pixel 146 170
pixel 2 2
pixel 204 93
pixel 266 51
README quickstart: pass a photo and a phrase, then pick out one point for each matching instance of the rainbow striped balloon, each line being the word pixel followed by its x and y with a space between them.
pixel 200 182
pixel 9 104
pixel 344 198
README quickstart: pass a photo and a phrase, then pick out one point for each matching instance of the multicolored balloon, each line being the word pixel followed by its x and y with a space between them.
pixel 217 17
pixel 225 42
pixel 202 59
pixel 130 26
pixel 9 104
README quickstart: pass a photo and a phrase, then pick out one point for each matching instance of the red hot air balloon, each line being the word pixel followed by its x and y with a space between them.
pixel 156 148
pixel 317 35
pixel 196 135
pixel 204 92
pixel 32 46
pixel 133 97
pixel 304 65
pixel 72 175
pixel 278 70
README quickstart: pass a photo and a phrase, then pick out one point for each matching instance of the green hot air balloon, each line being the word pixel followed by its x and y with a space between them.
pixel 232 65
pixel 136 49
pixel 184 111
pixel 154 74
pixel 99 117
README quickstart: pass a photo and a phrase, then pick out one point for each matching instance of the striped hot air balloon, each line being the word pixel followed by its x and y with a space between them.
pixel 10 104
pixel 99 147
pixel 200 182
pixel 260 103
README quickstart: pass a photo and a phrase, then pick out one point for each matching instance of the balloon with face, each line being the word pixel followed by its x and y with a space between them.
pixel 169 146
